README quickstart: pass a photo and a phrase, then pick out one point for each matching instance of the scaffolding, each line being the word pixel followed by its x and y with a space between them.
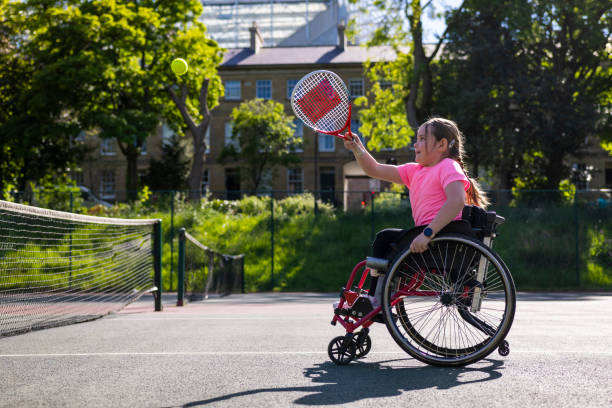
pixel 281 22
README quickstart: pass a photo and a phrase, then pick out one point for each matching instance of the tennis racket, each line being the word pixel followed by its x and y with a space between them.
pixel 320 100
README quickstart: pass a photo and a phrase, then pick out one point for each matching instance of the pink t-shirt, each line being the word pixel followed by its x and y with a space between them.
pixel 427 186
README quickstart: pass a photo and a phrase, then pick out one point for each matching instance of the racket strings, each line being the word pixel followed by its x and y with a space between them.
pixel 321 101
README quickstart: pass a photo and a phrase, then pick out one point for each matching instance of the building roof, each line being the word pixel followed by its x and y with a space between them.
pixel 352 54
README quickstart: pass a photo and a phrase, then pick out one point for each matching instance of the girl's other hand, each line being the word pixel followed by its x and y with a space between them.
pixel 419 244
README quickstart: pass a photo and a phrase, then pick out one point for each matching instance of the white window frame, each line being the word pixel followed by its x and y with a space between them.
pixel 263 85
pixel 356 87
pixel 228 136
pixel 298 136
pixel 230 90
pixel 143 148
pixel 291 83
pixel 108 147
pixel 265 184
pixel 107 185
pixel 384 85
pixel 325 141
pixel 167 134
pixel 295 176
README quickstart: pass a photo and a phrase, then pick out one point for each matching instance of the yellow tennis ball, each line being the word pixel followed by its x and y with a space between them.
pixel 179 66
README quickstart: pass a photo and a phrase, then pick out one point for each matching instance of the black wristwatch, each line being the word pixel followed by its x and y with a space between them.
pixel 428 232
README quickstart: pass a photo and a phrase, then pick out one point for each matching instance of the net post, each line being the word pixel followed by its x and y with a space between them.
pixel 157 264
pixel 242 273
pixel 180 300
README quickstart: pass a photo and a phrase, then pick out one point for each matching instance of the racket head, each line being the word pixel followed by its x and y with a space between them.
pixel 321 101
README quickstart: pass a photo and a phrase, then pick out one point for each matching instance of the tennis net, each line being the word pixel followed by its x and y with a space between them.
pixel 203 271
pixel 59 268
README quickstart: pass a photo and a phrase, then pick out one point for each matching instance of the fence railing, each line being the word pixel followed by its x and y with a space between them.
pixel 550 238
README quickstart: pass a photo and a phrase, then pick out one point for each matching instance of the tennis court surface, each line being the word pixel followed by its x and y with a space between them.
pixel 270 350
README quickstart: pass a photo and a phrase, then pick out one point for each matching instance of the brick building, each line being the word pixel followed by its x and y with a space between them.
pixel 271 73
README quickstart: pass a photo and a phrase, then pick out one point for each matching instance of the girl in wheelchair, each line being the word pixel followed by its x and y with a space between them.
pixel 416 264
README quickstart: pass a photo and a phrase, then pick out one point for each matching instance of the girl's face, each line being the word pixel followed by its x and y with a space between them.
pixel 428 151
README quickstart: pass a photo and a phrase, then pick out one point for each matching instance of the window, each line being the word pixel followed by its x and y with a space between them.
pixel 143 148
pixel 263 89
pixel 295 181
pixel 107 147
pixel 229 140
pixel 384 85
pixel 327 143
pixel 355 126
pixel 205 182
pixel 232 90
pixel 265 183
pixel 356 87
pixel 581 175
pixel 298 137
pixel 107 185
pixel 291 83
pixel 608 176
pixel 167 134
pixel 207 139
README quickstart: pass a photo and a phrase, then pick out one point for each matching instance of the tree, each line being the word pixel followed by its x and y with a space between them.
pixel 105 66
pixel 263 137
pixel 528 80
pixel 170 172
pixel 482 85
pixel 402 89
pixel 37 133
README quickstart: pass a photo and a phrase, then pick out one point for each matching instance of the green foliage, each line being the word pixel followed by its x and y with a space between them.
pixel 384 122
pixel 57 193
pixel 263 137
pixel 514 72
pixel 170 172
pixel 95 65
pixel 317 252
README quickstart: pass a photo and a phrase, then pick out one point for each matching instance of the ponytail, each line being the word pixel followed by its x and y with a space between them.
pixel 475 195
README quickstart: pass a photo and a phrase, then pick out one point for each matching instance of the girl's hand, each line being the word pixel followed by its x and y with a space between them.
pixel 419 244
pixel 351 141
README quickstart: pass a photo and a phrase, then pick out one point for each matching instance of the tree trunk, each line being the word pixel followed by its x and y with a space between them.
pixel 131 154
pixel 198 133
pixel 420 98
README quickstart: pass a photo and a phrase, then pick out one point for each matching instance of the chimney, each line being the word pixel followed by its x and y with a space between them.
pixel 256 39
pixel 342 43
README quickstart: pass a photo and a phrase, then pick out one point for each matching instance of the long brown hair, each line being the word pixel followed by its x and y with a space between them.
pixel 442 128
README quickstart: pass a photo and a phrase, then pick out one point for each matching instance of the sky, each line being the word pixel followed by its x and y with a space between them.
pixel 435 26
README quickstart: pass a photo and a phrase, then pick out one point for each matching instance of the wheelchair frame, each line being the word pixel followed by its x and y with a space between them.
pixel 344 349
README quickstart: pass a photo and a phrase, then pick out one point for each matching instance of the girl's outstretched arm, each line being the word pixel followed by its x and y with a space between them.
pixel 455 201
pixel 370 166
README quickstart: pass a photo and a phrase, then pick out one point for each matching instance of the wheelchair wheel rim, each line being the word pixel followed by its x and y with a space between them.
pixel 442 329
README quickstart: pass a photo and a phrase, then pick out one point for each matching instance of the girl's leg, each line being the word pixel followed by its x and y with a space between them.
pixel 382 247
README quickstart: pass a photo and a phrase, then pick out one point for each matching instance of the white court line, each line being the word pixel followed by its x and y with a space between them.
pixel 255 353
pixel 214 318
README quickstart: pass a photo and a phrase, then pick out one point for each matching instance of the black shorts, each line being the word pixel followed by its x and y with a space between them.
pixel 391 241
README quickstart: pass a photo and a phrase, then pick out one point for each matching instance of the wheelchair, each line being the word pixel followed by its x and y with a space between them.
pixel 451 305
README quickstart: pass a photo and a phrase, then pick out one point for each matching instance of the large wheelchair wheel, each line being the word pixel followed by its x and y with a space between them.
pixel 454 302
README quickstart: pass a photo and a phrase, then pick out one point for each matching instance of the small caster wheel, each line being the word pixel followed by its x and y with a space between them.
pixel 363 345
pixel 341 350
pixel 504 348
